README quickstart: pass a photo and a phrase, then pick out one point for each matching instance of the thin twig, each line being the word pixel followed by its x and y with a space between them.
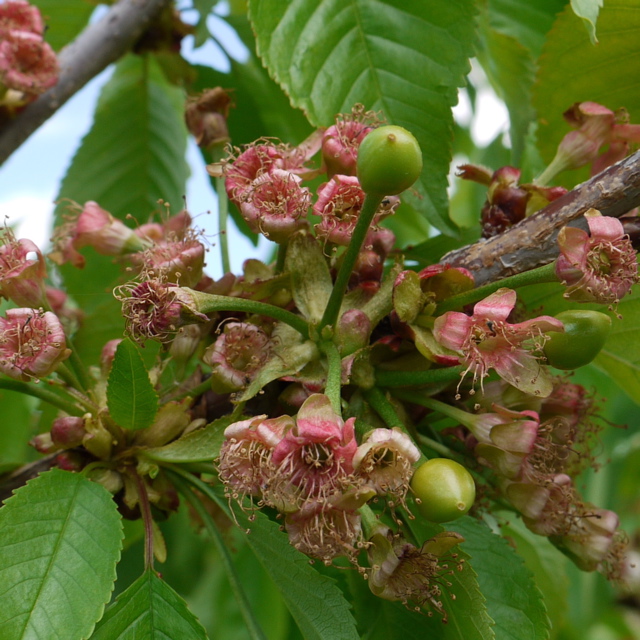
pixel 532 242
pixel 93 50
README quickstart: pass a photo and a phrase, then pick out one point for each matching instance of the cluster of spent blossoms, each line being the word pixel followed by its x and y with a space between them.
pixel 311 374
pixel 28 65
pixel 312 470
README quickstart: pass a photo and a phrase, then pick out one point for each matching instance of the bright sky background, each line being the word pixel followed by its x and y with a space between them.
pixel 30 178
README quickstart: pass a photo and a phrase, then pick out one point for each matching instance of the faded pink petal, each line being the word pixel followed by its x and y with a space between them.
pixel 22 272
pixel 597 268
pixel 486 341
pixel 32 343
pixel 27 63
pixel 21 16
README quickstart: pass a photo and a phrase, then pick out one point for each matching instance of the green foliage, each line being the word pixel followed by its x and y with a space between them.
pixel 132 157
pixel 202 445
pixel 405 59
pixel 316 604
pixel 573 70
pixel 60 539
pixel 61 535
pixel 131 398
pixel 151 609
pixel 65 19
pixel 513 599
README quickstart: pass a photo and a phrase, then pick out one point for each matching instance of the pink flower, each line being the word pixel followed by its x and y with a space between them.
pixel 22 272
pixel 412 575
pixel 341 141
pixel 487 341
pixel 316 457
pixel 385 461
pixel 339 203
pixel 92 226
pixel 153 309
pixel 245 465
pixel 27 63
pixel 324 532
pixel 32 344
pixel 21 16
pixel 237 356
pixel 176 261
pixel 601 267
pixel 505 439
pixel 262 157
pixel 595 126
pixel 276 205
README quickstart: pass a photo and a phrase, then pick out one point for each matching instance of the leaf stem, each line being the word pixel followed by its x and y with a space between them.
pixel 223 213
pixel 546 273
pixel 282 254
pixel 415 378
pixel 463 417
pixel 181 484
pixel 367 213
pixel 209 302
pixel 42 394
pixel 334 375
pixel 147 519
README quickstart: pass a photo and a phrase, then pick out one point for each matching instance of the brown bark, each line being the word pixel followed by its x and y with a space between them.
pixel 93 50
pixel 532 242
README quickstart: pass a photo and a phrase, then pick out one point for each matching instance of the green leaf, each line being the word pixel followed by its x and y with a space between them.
pixel 202 445
pixel 132 157
pixel 528 22
pixel 149 609
pixel 513 599
pixel 131 398
pixel 60 540
pixel 572 70
pixel 588 10
pixel 311 283
pixel 16 428
pixel 64 19
pixel 315 602
pixel 405 58
pixel 547 564
pixel 510 68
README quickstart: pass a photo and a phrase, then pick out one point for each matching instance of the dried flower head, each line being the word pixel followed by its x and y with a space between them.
pixel 21 16
pixel 237 356
pixel 414 576
pixel 315 458
pixel 245 465
pixel 385 461
pixel 276 205
pixel 22 271
pixel 27 63
pixel 155 310
pixel 340 141
pixel 600 267
pixel 32 343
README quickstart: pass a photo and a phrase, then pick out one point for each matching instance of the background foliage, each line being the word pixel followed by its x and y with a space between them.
pixel 60 535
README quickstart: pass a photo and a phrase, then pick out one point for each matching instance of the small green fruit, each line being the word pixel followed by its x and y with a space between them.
pixel 585 333
pixel 389 161
pixel 445 488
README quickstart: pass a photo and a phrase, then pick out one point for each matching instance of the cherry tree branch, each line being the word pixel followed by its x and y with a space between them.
pixel 532 242
pixel 93 50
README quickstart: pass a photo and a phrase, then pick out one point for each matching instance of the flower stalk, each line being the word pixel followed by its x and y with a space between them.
pixel 367 213
pixel 540 275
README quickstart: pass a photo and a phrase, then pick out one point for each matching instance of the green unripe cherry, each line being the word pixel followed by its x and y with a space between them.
pixel 585 333
pixel 445 488
pixel 389 161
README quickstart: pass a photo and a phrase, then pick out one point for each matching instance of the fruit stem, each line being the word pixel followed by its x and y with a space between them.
pixel 368 211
